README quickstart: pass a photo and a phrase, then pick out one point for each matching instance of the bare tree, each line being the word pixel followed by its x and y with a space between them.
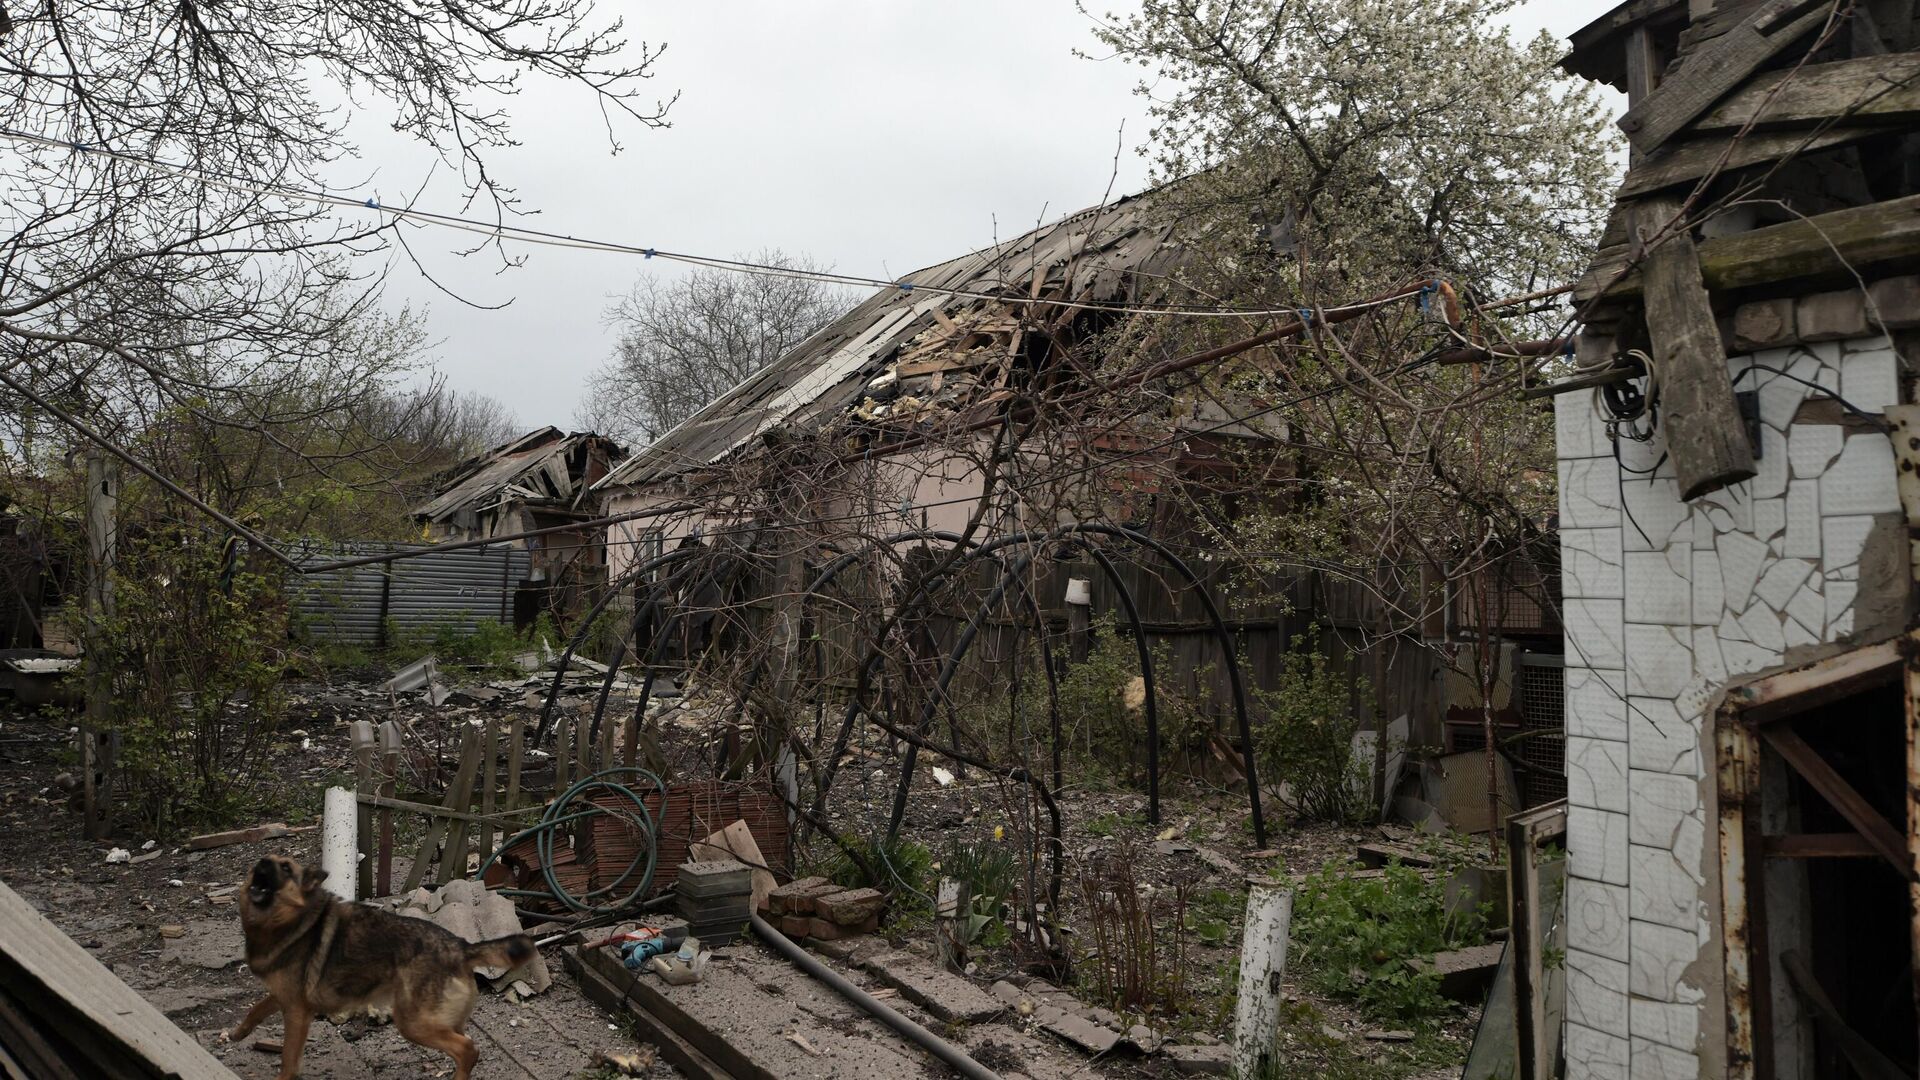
pixel 161 242
pixel 685 343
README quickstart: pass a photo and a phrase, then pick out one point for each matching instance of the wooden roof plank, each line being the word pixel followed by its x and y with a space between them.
pixel 1869 89
pixel 66 970
pixel 1716 69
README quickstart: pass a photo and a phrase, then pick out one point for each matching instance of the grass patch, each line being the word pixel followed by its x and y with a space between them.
pixel 1354 938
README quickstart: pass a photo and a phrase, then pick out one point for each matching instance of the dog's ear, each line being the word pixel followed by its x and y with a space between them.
pixel 311 877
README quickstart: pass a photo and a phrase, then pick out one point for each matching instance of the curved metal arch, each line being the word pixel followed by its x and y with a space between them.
pixel 1180 566
pixel 580 636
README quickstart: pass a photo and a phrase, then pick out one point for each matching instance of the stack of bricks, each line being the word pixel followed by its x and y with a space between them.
pixel 816 908
pixel 715 897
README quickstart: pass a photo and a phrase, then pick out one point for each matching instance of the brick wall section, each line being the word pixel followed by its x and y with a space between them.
pixel 1664 601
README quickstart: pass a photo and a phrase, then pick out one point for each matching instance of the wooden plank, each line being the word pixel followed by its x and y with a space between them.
pixel 516 760
pixel 1263 967
pixel 582 745
pixel 1865 90
pixel 678 1052
pixel 489 776
pixel 461 796
pixel 562 753
pixel 1826 680
pixel 1819 846
pixel 510 819
pixel 1835 244
pixel 62 969
pixel 1706 437
pixel 644 993
pixel 1688 161
pixel 1717 68
pixel 389 777
pixel 462 781
pixel 1886 840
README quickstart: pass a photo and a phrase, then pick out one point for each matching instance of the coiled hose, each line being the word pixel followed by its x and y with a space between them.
pixel 560 812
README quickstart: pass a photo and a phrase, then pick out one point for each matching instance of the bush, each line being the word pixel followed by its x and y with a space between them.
pixel 194 657
pixel 1306 742
pixel 1354 938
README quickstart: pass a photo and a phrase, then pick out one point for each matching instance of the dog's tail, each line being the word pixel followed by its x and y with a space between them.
pixel 506 952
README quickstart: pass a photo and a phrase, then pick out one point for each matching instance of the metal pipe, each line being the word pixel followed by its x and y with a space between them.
pixel 921 1037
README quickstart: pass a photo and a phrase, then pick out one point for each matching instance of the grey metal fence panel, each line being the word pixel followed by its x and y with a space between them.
pixel 457 589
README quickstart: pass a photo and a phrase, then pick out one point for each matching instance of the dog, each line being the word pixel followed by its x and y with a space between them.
pixel 323 956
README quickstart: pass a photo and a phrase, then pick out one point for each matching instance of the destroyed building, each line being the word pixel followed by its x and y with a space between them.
pixel 539 481
pixel 1737 460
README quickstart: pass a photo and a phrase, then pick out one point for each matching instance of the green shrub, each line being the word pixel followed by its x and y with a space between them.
pixel 195 663
pixel 1306 741
pixel 1355 938
pixel 904 869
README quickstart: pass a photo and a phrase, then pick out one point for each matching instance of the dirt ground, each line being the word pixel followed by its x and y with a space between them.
pixel 168 926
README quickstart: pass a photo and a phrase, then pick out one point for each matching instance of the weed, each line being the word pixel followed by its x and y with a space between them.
pixel 1131 963
pixel 1354 938
pixel 986 875
pixel 1111 823
pixel 903 869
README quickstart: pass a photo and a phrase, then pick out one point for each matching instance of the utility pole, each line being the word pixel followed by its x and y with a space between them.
pixel 96 740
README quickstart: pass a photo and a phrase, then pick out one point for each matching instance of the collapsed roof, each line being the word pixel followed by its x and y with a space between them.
pixel 547 468
pixel 910 354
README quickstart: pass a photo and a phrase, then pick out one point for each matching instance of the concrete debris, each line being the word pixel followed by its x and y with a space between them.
pixel 850 908
pixel 940 992
pixel 413 676
pixel 1465 973
pixel 1215 1060
pixel 119 855
pixel 471 912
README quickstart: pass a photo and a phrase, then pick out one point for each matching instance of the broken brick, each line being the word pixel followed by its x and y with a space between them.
pixel 851 907
pixel 796 897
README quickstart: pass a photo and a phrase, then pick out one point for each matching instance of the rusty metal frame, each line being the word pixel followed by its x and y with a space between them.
pixel 1749 718
pixel 1528 832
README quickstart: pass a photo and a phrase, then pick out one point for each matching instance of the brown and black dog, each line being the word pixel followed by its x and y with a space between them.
pixel 323 956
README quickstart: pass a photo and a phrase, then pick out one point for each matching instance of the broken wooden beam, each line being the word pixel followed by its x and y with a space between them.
pixel 1705 435
pixel 1716 68
pixel 1864 90
pixel 272 831
pixel 1838 243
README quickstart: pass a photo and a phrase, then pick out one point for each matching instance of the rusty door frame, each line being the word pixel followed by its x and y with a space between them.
pixel 1741 728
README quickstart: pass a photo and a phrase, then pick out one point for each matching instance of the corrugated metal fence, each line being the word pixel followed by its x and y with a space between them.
pixel 357 606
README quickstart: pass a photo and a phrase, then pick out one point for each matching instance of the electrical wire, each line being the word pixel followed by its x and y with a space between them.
pixel 521 234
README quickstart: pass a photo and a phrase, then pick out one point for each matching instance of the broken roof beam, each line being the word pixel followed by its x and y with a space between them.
pixel 1705 434
pixel 1717 68
pixel 1837 243
pixel 1866 90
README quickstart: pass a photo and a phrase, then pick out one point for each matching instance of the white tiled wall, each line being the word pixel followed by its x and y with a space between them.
pixel 1665 600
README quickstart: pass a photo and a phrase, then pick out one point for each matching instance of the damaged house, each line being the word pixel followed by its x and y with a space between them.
pixel 1739 457
pixel 541 480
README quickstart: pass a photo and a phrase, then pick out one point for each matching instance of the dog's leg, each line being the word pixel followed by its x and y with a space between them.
pixel 294 1042
pixel 262 1009
pixel 446 1040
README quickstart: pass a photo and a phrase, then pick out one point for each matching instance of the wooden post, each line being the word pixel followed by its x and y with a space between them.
pixel 1079 619
pixel 361 739
pixel 949 951
pixel 389 774
pixel 1263 967
pixel 462 783
pixel 516 759
pixel 489 776
pixel 1705 435
pixel 96 741
pixel 562 753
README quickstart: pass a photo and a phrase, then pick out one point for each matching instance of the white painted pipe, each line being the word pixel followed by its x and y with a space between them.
pixel 339 822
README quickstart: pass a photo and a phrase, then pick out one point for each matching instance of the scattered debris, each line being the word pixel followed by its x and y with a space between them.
pixel 271 831
pixel 800 1041
pixel 1396 1035
pixel 471 912
pixel 119 855
pixel 627 1062
pixel 412 677
pixel 1465 973
pixel 1215 1060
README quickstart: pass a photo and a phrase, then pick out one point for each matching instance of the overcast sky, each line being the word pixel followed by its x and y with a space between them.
pixel 877 136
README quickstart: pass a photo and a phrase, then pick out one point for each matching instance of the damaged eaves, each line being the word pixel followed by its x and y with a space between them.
pixel 545 468
pixel 909 355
